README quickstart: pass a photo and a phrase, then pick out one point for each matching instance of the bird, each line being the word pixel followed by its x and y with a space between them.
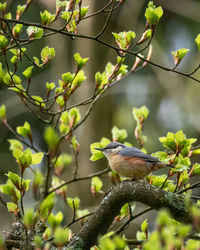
pixel 130 161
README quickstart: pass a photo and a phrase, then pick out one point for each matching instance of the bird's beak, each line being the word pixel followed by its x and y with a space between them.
pixel 100 149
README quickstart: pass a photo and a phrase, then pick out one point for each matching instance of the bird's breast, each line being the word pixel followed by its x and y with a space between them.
pixel 132 167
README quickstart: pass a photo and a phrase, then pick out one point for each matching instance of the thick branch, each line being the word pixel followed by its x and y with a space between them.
pixel 101 220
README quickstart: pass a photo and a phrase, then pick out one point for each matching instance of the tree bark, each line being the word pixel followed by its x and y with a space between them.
pixel 110 206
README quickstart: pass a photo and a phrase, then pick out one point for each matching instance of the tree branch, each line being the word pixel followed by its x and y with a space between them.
pixel 102 218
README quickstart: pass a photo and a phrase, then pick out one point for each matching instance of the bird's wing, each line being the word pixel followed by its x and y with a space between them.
pixel 134 152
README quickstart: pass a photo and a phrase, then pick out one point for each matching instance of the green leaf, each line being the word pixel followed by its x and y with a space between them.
pixel 80 62
pixel 15 144
pixel 74 117
pixel 28 72
pixel 196 169
pixel 38 242
pixel 62 161
pixel 47 54
pixel 38 100
pixel 140 114
pixel 79 78
pixel 169 141
pixel 66 15
pixel 144 227
pixel 3 42
pixel 55 220
pixel 162 156
pixel 61 236
pixel 34 32
pixel 67 79
pixel 12 208
pixel 17 29
pixel 2 6
pixel 60 100
pixel 96 154
pixel 197 40
pixel 2 112
pixel 153 14
pixel 96 184
pixel 47 205
pixel 25 130
pixel 10 189
pixel 28 218
pixel 73 203
pixel 20 10
pixel 47 17
pixel 51 137
pixel 84 11
pixel 38 178
pixel 118 134
pixel 37 158
pixel 124 39
pixel 178 55
pixel 50 86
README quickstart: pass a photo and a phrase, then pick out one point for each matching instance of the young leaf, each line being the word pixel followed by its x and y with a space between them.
pixel 51 137
pixel 197 40
pixel 34 32
pixel 118 134
pixel 96 185
pixel 2 112
pixel 61 236
pixel 178 55
pixel 3 42
pixel 80 62
pixel 47 54
pixel 73 203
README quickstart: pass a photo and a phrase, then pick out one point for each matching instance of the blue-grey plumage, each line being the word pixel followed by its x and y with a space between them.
pixel 129 161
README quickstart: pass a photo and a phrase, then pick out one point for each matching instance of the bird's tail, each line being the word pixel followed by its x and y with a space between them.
pixel 163 165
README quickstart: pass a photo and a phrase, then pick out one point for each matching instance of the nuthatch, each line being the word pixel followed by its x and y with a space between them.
pixel 129 161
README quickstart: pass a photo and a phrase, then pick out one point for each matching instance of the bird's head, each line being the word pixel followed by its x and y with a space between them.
pixel 111 148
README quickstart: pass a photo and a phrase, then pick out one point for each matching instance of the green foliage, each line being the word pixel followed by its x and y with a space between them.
pixel 61 162
pixel 10 189
pixel 46 206
pixel 21 184
pixel 124 39
pixel 55 220
pixel 178 55
pixel 61 236
pixel 2 6
pixel 47 17
pixel 96 155
pixel 20 10
pixel 25 130
pixel 153 14
pixel 197 40
pixel 34 32
pixel 29 217
pixel 12 208
pixel 73 203
pixel 3 42
pixel 96 185
pixel 51 137
pixel 114 243
pixel 17 29
pixel 140 115
pixel 80 62
pixel 47 54
pixel 2 112
pixel 177 142
pixel 118 134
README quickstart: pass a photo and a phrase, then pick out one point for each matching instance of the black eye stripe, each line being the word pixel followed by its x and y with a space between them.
pixel 114 145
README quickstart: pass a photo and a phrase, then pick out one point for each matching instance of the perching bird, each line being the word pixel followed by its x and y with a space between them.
pixel 129 161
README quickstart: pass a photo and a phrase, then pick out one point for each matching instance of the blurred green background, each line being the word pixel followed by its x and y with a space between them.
pixel 173 100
